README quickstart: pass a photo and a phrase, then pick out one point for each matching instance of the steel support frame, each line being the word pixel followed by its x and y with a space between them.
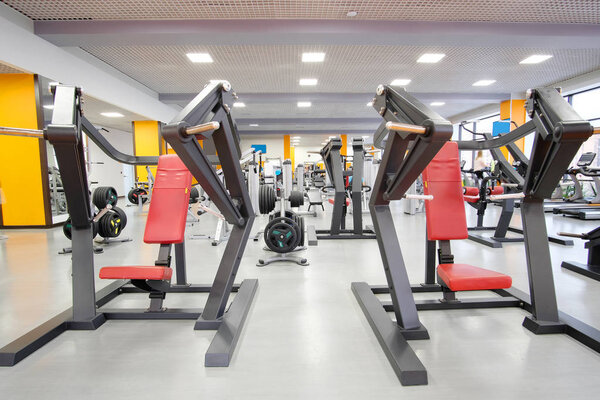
pixel 334 165
pixel 65 134
pixel 559 134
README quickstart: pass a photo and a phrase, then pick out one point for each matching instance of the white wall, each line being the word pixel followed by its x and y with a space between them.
pixel 302 155
pixel 110 172
pixel 274 144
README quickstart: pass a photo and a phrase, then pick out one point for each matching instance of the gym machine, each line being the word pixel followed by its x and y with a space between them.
pixel 335 167
pixel 592 268
pixel 88 311
pixel 578 206
pixel 512 180
pixel 415 135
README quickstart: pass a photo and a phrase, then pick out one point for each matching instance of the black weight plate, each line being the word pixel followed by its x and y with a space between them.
pixel 67 228
pixel 281 235
pixel 122 215
pixel 296 198
pixel 132 196
pixel 301 226
pixel 110 225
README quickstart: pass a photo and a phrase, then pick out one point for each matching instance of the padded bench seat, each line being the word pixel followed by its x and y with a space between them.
pixel 152 273
pixel 461 277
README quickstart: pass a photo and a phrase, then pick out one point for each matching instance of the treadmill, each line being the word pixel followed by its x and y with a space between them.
pixel 586 209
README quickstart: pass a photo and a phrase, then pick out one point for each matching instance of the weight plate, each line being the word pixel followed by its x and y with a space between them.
pixel 67 228
pixel 296 198
pixel 122 215
pixel 282 235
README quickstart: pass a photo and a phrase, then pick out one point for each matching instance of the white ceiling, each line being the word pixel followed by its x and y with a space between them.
pixel 486 39
pixel 556 11
pixel 347 69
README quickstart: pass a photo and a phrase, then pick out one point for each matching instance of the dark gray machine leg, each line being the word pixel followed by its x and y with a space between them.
pixel 223 344
pixel 221 288
pixel 401 356
pixel 84 293
pixel 180 266
pixel 539 268
pixel 395 270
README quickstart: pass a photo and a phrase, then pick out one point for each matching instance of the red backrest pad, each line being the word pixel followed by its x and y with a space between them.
pixel 446 219
pixel 170 201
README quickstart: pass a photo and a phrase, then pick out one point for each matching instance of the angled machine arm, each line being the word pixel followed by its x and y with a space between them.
pixel 416 134
pixel 207 117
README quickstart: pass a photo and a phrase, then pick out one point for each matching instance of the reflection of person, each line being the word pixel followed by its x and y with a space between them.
pixel 479 163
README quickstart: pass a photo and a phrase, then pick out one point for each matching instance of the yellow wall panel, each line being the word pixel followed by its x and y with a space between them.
pixel 146 142
pixel 20 164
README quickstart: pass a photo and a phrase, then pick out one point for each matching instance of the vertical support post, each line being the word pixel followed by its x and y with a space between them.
pixel 539 263
pixel 395 270
pixel 84 298
pixel 430 261
pixel 180 265
pixel 508 208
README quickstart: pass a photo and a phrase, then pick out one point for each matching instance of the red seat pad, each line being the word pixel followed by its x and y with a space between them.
pixel 470 191
pixel 446 219
pixel 151 273
pixel 332 201
pixel 460 277
pixel 170 201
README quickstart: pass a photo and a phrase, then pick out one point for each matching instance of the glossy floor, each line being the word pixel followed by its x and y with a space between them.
pixel 305 337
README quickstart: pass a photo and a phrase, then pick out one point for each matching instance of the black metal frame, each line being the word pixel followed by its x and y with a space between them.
pixel 559 133
pixel 592 268
pixel 87 312
pixel 336 170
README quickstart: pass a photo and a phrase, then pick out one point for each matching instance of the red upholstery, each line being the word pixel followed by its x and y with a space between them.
pixel 470 191
pixel 170 201
pixel 496 190
pixel 446 219
pixel 151 273
pixel 332 201
pixel 460 277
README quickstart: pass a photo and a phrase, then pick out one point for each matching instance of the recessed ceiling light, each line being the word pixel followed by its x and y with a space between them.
pixel 484 82
pixel 307 82
pixel 323 143
pixel 536 58
pixel 313 57
pixel 255 125
pixel 370 104
pixel 332 137
pixel 112 114
pixel 400 82
pixel 217 80
pixel 431 58
pixel 352 14
pixel 437 103
pixel 199 57
pixel 49 107
pixel 296 137
pixel 239 104
pixel 304 104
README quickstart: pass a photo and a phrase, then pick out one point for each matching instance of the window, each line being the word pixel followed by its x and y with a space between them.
pixel 587 105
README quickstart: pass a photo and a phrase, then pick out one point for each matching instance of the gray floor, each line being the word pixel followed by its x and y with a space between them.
pixel 305 337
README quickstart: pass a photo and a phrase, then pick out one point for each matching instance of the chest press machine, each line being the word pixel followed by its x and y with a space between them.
pixel 165 226
pixel 335 167
pixel 416 138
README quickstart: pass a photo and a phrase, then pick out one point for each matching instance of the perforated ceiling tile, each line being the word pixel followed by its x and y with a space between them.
pixel 347 69
pixel 5 69
pixel 556 11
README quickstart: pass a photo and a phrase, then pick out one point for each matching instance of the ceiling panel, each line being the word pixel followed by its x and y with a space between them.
pixel 554 11
pixel 5 69
pixel 347 69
